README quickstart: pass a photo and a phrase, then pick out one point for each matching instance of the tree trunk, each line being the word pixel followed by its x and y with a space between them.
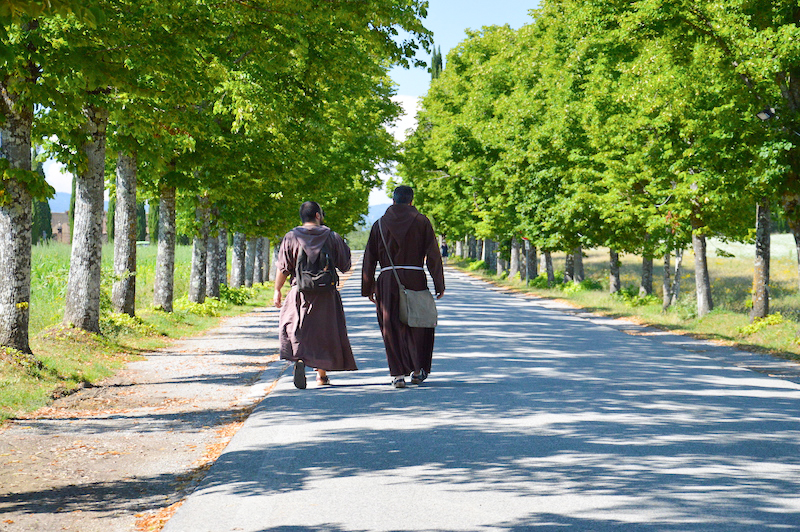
pixel 514 267
pixel 82 308
pixel 237 269
pixel 459 251
pixel 614 281
pixel 473 248
pixel 212 266
pixel 646 283
pixel 666 297
pixel 578 269
pixel 675 290
pixel 702 279
pixel 548 268
pixel 569 268
pixel 484 251
pixel 761 265
pixel 222 256
pixel 164 289
pixel 16 217
pixel 273 267
pixel 197 279
pixel 491 255
pixel 265 250
pixel 531 264
pixel 123 293
pixel 250 262
pixel 258 267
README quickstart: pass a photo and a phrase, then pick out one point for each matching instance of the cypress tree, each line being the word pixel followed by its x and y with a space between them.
pixel 152 221
pixel 436 63
pixel 141 222
pixel 112 209
pixel 41 229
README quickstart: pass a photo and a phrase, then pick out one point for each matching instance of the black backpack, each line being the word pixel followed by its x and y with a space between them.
pixel 317 276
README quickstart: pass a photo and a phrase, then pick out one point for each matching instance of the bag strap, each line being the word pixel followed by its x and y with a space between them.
pixel 394 269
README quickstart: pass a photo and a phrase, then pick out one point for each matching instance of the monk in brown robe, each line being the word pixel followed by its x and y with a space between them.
pixel 411 242
pixel 312 328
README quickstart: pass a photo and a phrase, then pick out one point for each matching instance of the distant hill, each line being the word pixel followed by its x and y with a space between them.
pixel 60 203
pixel 375 212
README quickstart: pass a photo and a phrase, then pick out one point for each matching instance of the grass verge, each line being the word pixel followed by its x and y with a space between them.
pixel 68 359
pixel 728 323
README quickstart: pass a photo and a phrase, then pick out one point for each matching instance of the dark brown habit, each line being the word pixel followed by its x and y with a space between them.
pixel 312 325
pixel 412 242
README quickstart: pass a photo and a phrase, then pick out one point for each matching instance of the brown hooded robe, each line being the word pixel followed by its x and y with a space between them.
pixel 412 242
pixel 312 325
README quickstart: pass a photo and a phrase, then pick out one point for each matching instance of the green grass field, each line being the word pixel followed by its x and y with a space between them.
pixel 731 281
pixel 65 358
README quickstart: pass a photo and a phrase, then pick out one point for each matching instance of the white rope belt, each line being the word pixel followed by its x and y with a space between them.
pixel 387 268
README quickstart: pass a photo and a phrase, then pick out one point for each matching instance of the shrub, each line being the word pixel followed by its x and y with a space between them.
pixel 477 265
pixel 114 323
pixel 630 296
pixel 211 307
pixel 761 324
pixel 236 296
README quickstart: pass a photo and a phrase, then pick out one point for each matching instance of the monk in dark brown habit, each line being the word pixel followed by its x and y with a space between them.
pixel 412 243
pixel 312 328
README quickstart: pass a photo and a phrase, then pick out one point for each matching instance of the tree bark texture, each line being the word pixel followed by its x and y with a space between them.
pixel 473 247
pixel 123 293
pixel 273 266
pixel 197 279
pixel 578 269
pixel 702 279
pixel 459 248
pixel 483 246
pixel 212 266
pixel 761 264
pixel 646 283
pixel 82 308
pixel 531 264
pixel 16 217
pixel 666 297
pixel 514 266
pixel 569 268
pixel 250 262
pixel 258 267
pixel 265 250
pixel 239 251
pixel 675 290
pixel 499 263
pixel 222 256
pixel 164 289
pixel 548 268
pixel 614 281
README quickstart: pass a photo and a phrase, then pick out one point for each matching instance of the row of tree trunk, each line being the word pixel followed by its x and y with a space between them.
pixel 522 263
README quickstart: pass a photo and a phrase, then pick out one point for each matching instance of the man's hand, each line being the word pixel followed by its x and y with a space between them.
pixel 277 298
pixel 440 294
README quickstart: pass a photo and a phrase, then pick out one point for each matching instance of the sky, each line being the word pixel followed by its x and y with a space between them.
pixel 448 20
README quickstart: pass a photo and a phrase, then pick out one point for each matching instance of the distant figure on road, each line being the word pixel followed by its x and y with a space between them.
pixel 411 242
pixel 445 252
pixel 312 328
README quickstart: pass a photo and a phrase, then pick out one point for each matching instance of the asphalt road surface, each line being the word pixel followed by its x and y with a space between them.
pixel 534 418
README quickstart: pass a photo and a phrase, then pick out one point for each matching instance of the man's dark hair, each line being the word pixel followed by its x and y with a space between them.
pixel 403 194
pixel 309 210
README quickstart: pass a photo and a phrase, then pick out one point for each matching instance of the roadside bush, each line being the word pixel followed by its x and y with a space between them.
pixel 210 308
pixel 630 296
pixel 236 296
pixel 760 324
pixel 477 265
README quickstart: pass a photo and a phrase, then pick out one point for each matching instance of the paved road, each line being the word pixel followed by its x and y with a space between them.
pixel 533 419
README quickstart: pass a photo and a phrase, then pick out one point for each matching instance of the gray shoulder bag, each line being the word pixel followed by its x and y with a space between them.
pixel 417 307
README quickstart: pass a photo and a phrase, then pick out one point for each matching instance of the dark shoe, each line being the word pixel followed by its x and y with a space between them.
pixel 417 378
pixel 300 375
pixel 399 382
pixel 323 381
